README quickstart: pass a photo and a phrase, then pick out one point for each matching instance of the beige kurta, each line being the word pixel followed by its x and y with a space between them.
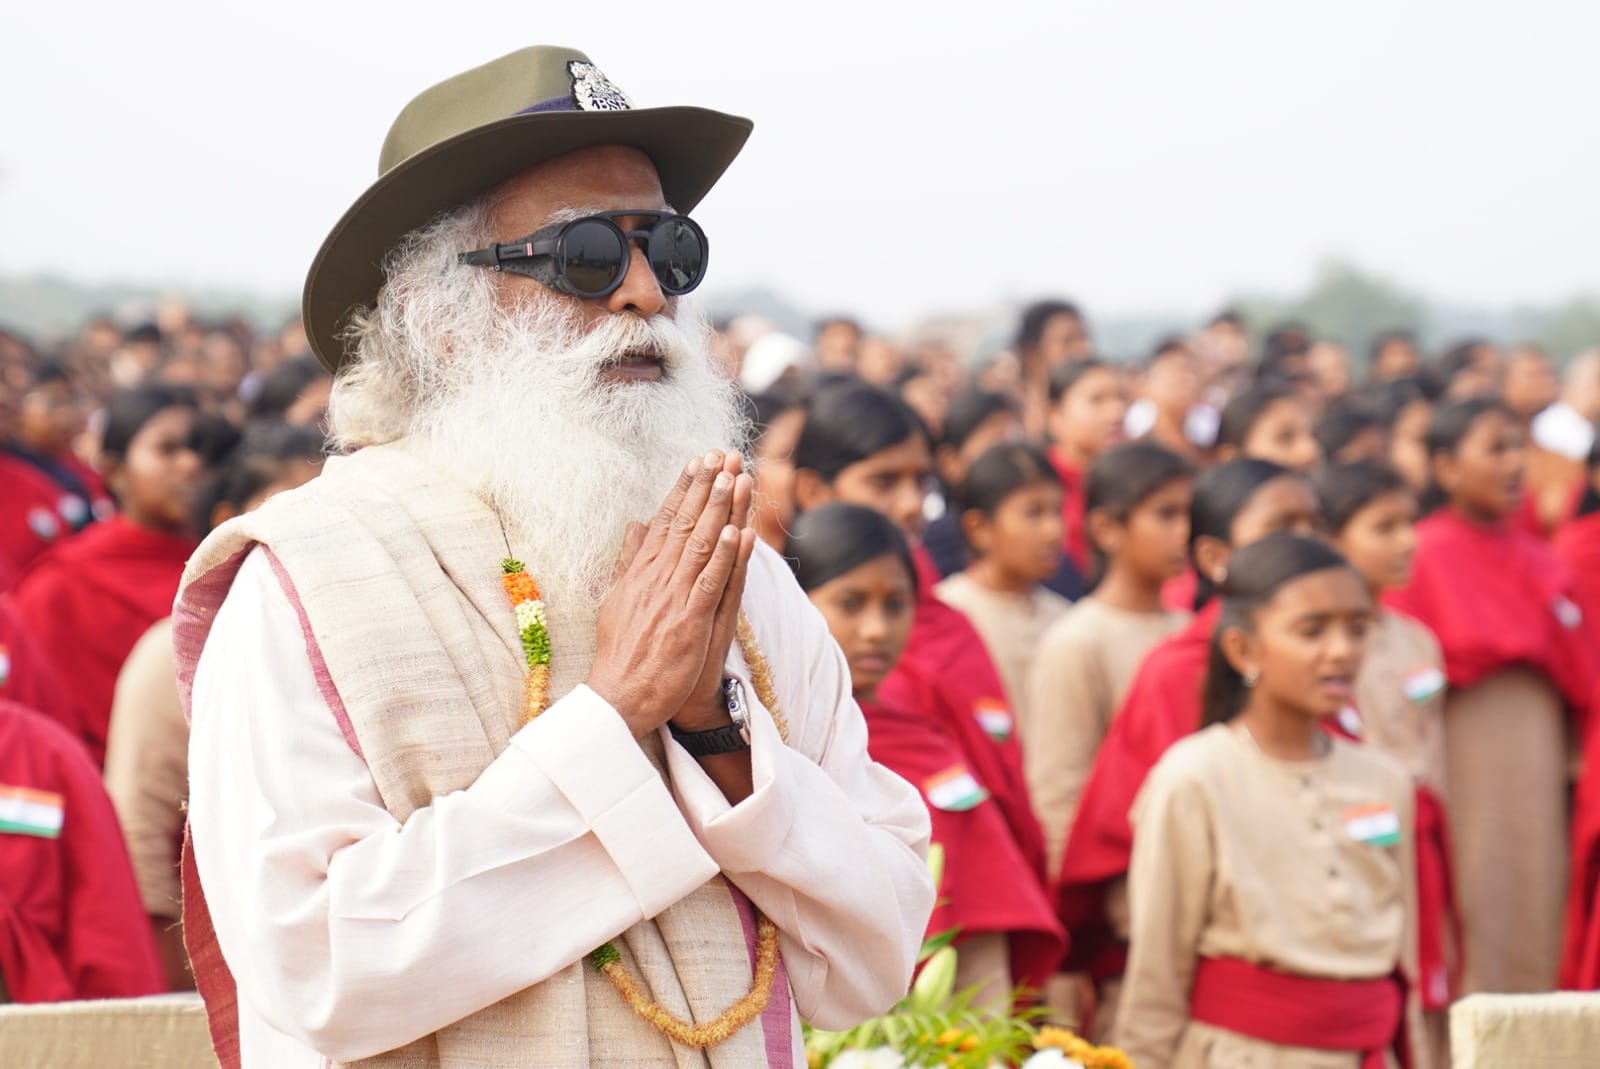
pixel 1400 694
pixel 1505 753
pixel 1236 854
pixel 1083 668
pixel 1011 626
pixel 147 767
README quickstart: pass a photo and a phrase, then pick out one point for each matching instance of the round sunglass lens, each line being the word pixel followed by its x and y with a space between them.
pixel 592 256
pixel 677 254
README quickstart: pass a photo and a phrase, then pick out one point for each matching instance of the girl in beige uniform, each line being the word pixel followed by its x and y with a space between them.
pixel 1010 519
pixel 1137 514
pixel 1136 510
pixel 1371 512
pixel 1272 883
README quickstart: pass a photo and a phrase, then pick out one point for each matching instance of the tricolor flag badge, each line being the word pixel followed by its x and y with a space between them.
pixel 1374 825
pixel 1422 683
pixel 25 811
pixel 953 790
pixel 994 717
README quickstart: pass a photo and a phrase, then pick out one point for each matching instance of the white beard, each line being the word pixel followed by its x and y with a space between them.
pixel 567 460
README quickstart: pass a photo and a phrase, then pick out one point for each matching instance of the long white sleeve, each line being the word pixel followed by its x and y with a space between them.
pixel 830 846
pixel 331 913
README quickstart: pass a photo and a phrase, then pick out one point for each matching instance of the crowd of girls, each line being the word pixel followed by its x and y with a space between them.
pixel 1254 710
pixel 1261 753
pixel 93 769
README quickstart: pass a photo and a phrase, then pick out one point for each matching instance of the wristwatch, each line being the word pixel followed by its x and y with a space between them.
pixel 730 738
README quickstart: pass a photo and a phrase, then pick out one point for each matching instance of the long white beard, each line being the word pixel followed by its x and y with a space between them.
pixel 567 460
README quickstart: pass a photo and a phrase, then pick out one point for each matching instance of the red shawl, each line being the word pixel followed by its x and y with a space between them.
pixel 946 671
pixel 1577 543
pixel 30 521
pixel 988 885
pixel 1072 511
pixel 1177 593
pixel 27 676
pixel 1580 952
pixel 71 922
pixel 90 599
pixel 1497 597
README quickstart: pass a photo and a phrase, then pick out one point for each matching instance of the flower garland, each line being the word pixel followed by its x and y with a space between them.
pixel 533 629
pixel 528 605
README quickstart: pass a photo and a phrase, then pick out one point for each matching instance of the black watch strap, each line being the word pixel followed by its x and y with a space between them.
pixel 728 739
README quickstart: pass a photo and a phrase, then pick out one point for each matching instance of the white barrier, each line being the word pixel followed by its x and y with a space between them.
pixel 1559 1031
pixel 163 1032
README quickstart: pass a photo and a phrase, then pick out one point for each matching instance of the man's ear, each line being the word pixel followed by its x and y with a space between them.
pixel 1211 558
pixel 810 492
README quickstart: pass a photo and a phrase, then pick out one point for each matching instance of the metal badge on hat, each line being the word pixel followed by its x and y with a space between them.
pixel 591 91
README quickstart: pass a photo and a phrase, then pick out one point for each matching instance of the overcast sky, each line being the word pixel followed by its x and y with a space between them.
pixel 1133 155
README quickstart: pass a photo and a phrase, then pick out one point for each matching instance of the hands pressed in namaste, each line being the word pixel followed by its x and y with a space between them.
pixel 665 629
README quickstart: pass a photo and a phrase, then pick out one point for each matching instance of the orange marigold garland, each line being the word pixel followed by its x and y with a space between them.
pixel 533 630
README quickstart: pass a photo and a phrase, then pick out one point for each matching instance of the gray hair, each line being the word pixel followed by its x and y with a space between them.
pixel 393 357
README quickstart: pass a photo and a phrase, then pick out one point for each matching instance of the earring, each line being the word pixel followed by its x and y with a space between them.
pixel 1251 677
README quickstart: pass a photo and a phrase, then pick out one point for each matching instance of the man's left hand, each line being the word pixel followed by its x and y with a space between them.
pixel 706 708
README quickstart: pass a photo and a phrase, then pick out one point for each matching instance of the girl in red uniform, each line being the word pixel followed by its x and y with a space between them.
pixel 88 600
pixel 1087 408
pixel 856 567
pixel 1269 422
pixel 864 446
pixel 71 926
pixel 1266 422
pixel 1521 664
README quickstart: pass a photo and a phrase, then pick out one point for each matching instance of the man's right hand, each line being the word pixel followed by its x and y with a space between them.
pixel 655 627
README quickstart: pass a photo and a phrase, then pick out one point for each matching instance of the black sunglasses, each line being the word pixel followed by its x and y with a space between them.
pixel 589 257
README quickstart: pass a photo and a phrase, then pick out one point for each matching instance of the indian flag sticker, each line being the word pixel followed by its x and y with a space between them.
pixel 1375 825
pixel 1422 683
pixel 994 717
pixel 24 811
pixel 953 790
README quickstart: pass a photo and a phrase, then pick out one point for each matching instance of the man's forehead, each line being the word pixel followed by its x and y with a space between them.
pixel 606 178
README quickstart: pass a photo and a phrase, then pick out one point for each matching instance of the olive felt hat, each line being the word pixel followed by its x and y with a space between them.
pixel 467 134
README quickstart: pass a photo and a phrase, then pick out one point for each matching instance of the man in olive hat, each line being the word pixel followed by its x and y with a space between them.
pixel 510 746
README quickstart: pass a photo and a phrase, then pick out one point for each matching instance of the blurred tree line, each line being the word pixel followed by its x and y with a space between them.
pixel 1349 305
pixel 1342 303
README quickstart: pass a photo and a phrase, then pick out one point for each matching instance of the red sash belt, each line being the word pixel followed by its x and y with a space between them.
pixel 1363 1016
pixel 1438 919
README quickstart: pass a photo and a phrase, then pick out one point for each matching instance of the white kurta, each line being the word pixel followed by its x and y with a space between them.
pixel 350 933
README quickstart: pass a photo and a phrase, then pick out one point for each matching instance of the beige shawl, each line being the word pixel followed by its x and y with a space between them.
pixel 395 568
